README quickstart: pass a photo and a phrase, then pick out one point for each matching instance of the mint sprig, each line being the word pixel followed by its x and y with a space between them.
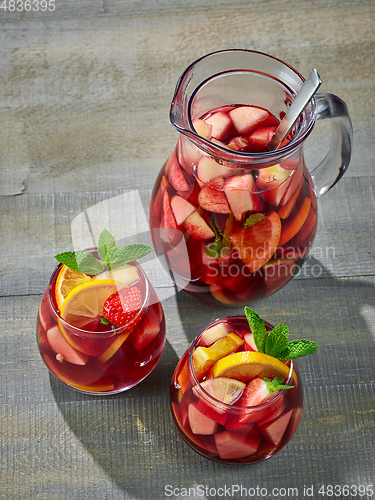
pixel 110 255
pixel 275 343
pixel 276 385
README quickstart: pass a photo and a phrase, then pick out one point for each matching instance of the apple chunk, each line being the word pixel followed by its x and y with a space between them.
pixel 274 182
pixel 213 200
pixel 181 209
pixel 247 118
pixel 239 191
pixel 220 123
pixel 197 227
pixel 209 169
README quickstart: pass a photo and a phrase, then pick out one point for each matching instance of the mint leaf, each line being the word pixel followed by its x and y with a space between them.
pixel 106 245
pixel 276 340
pixel 214 249
pixel 105 321
pixel 298 348
pixel 253 219
pixel 84 262
pixel 275 384
pixel 130 253
pixel 258 328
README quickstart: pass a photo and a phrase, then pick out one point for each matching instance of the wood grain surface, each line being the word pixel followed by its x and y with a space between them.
pixel 85 92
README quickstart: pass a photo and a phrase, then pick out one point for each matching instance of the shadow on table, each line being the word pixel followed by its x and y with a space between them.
pixel 132 437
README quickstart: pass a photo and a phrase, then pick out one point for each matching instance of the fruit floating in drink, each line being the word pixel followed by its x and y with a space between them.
pixel 247 230
pixel 236 395
pixel 101 327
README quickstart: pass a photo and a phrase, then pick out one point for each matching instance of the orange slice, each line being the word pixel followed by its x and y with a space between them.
pixel 67 279
pixel 257 244
pixel 246 365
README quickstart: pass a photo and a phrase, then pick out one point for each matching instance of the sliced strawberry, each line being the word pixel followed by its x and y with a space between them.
pixel 122 307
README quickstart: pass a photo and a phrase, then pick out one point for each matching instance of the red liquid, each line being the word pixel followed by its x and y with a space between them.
pixel 240 435
pixel 106 362
pixel 252 263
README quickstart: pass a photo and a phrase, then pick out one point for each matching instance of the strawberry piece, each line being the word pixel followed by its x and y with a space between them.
pixel 256 393
pixel 122 307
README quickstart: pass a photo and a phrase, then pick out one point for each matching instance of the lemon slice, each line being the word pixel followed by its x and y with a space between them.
pixel 67 279
pixel 85 302
pixel 246 365
pixel 227 390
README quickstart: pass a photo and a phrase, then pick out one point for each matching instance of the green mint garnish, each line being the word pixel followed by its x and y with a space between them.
pixel 275 343
pixel 110 255
pixel 275 384
pixel 253 219
pixel 105 321
pixel 221 246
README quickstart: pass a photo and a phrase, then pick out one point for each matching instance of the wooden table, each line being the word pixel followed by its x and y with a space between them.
pixel 84 112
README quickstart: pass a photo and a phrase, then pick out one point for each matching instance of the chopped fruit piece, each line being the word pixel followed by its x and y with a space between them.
pixel 67 279
pixel 220 123
pixel 256 244
pixel 168 218
pixel 211 411
pixel 203 129
pixel 238 143
pixel 200 423
pixel 248 118
pixel 246 365
pixel 205 357
pixel 249 342
pixel 286 208
pixel 123 308
pixel 273 182
pixel 175 175
pixel 61 347
pixel 208 169
pixel 308 227
pixel 232 445
pixel 181 209
pixel 127 274
pixel 196 226
pixel 259 139
pixel 277 272
pixel 159 198
pixel 85 302
pixel 292 226
pixel 214 333
pixel 274 430
pixel 214 201
pixel 149 329
pixel 222 295
pixel 114 347
pixel 226 390
pixel 239 191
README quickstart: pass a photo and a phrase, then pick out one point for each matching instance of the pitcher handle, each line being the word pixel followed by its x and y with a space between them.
pixel 334 165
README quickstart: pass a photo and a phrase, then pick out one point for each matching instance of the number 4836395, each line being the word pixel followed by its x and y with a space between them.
pixel 27 5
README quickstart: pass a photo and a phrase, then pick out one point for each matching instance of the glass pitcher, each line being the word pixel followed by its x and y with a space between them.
pixel 233 221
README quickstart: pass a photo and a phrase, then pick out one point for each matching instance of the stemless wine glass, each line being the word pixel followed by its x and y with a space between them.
pixel 86 354
pixel 233 433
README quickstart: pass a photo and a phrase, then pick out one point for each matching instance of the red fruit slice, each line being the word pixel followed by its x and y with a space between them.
pixel 239 191
pixel 214 201
pixel 274 430
pixel 220 123
pixel 256 244
pixel 148 329
pixel 61 347
pixel 196 226
pixel 305 233
pixel 256 393
pixel 200 423
pixel 181 209
pixel 249 342
pixel 231 445
pixel 285 210
pixel 291 228
pixel 259 139
pixel 114 347
pixel 247 118
pixel 175 175
pixel 211 412
pixel 277 272
pixel 168 218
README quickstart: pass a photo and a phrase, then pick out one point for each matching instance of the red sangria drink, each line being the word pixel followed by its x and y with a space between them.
pixel 236 395
pixel 246 231
pixel 233 218
pixel 101 327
